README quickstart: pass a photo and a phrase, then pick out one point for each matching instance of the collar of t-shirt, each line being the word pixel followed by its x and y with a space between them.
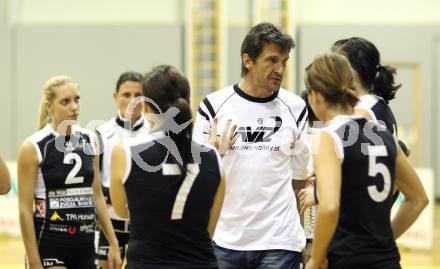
pixel 126 124
pixel 246 96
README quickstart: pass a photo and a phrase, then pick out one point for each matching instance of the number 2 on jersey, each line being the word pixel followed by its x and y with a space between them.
pixel 184 190
pixel 71 177
pixel 375 168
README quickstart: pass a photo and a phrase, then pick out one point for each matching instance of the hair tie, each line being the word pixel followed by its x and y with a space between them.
pixel 378 67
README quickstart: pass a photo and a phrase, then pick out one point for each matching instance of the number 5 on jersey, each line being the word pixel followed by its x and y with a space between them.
pixel 179 204
pixel 375 168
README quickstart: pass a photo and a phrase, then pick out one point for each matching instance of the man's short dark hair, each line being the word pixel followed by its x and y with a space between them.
pixel 128 76
pixel 260 35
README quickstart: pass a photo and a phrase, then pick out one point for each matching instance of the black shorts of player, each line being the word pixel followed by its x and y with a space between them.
pixel 132 265
pixel 72 257
pixel 104 246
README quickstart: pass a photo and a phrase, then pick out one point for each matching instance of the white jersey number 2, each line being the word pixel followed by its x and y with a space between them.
pixel 375 168
pixel 179 204
pixel 71 177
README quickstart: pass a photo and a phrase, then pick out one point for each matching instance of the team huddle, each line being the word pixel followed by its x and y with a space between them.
pixel 227 190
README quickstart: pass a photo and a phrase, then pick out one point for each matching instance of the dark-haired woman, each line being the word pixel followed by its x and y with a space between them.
pixel 374 85
pixel 373 82
pixel 128 124
pixel 357 164
pixel 173 187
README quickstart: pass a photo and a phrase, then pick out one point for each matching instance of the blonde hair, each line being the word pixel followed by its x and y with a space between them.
pixel 330 75
pixel 49 95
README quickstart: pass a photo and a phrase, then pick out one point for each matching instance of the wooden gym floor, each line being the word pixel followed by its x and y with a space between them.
pixel 12 252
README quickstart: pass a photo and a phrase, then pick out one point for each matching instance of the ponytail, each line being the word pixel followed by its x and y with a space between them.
pixel 364 58
pixel 183 139
pixel 348 96
pixel 383 84
pixel 168 87
pixel 44 116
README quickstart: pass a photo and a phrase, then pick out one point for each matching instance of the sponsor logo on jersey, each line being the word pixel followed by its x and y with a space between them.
pixel 70 192
pixel 87 228
pixel 72 230
pixel 71 202
pixel 56 217
pixel 80 217
pixel 261 133
pixel 52 262
pixel 58 228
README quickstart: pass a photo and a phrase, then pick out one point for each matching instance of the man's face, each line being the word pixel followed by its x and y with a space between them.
pixel 268 68
pixel 127 92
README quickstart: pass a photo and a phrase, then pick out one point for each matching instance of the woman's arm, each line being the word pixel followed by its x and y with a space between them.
pixel 328 174
pixel 114 258
pixel 5 177
pixel 117 191
pixel 408 182
pixel 27 167
pixel 216 207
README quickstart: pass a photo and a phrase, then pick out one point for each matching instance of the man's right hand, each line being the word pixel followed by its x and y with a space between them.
pixel 225 140
pixel 306 198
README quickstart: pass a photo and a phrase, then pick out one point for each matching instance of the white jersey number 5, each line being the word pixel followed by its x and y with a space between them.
pixel 179 204
pixel 375 168
pixel 71 177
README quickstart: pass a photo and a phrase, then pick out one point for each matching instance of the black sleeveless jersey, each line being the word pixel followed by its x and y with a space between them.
pixel 169 216
pixel 65 210
pixel 379 111
pixel 363 237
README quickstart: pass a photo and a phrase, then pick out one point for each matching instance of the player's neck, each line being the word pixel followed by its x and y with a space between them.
pixel 360 89
pixel 333 112
pixel 62 129
pixel 251 88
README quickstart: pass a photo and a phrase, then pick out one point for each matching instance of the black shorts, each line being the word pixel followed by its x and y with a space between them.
pixel 133 265
pixel 104 246
pixel 73 257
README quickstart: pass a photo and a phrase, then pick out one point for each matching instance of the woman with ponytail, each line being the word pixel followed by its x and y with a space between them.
pixel 58 176
pixel 357 164
pixel 374 86
pixel 170 187
pixel 373 82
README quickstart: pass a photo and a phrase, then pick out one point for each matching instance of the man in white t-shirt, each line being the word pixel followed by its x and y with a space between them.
pixel 259 226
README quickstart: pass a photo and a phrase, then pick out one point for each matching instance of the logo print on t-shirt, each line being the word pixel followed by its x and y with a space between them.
pixel 261 133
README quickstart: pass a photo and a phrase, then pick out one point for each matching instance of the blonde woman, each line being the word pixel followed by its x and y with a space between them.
pixel 59 188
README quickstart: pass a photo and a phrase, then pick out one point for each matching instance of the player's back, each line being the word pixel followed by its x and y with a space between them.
pixel 169 216
pixel 363 236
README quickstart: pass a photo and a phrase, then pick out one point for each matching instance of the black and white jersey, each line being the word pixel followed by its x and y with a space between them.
pixel 169 216
pixel 109 133
pixel 65 210
pixel 259 211
pixel 379 111
pixel 363 237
